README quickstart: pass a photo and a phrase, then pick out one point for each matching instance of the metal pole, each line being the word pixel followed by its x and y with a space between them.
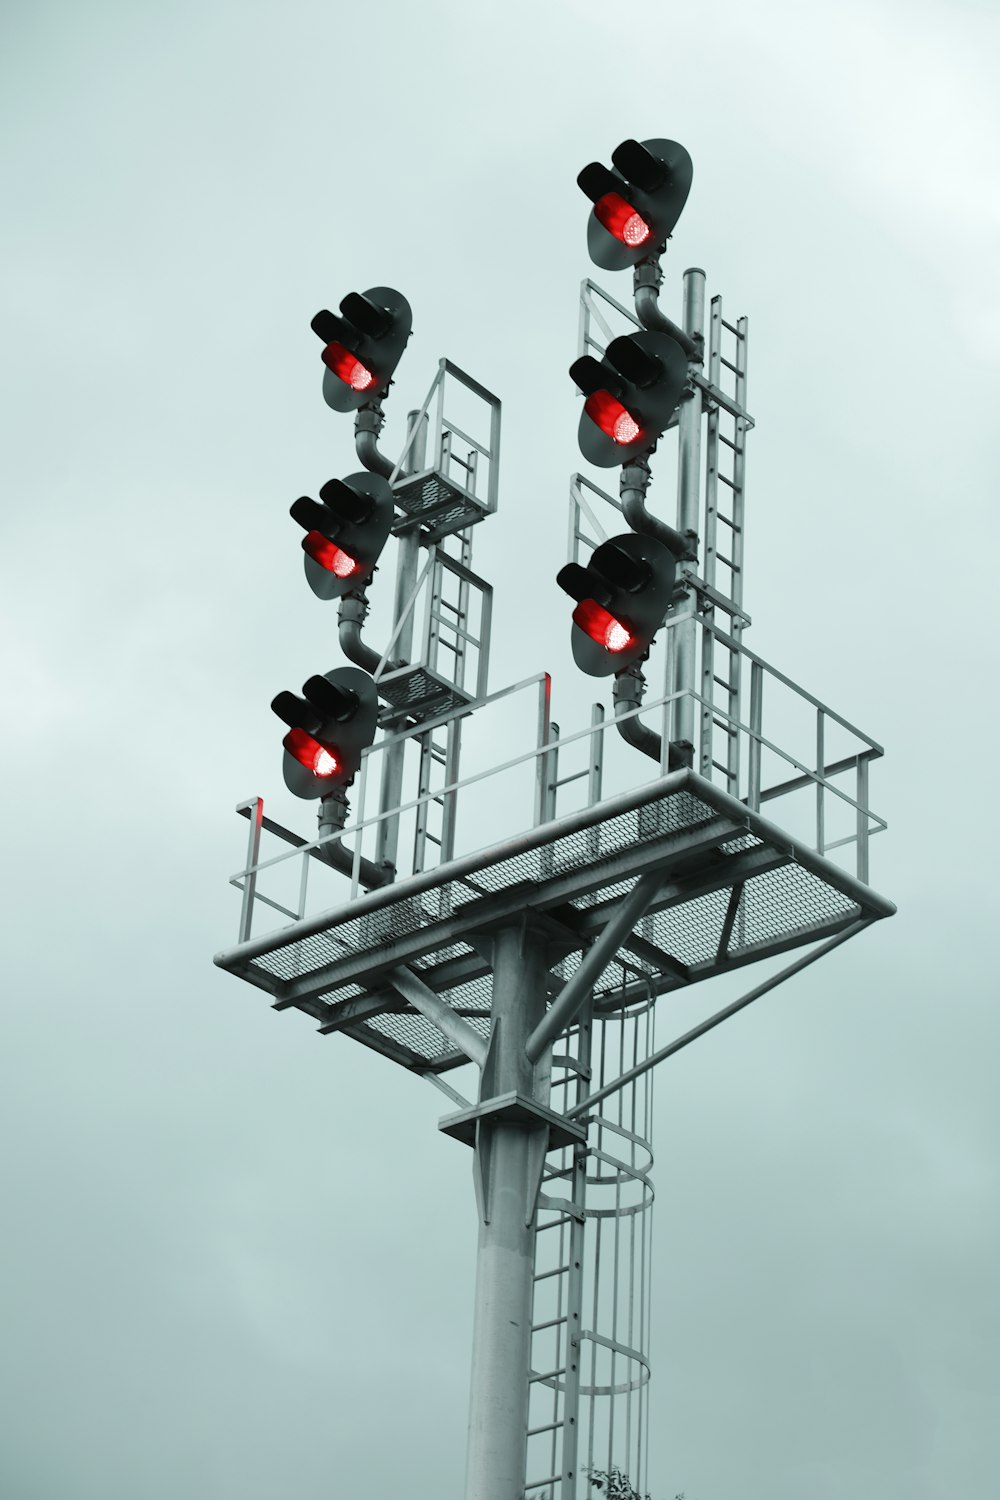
pixel 688 507
pixel 509 1157
pixel 407 561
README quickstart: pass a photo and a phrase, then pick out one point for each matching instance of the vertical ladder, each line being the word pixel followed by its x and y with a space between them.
pixel 725 480
pixel 440 750
pixel 557 1306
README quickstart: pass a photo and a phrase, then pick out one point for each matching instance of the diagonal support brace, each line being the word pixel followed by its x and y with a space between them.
pixel 585 1105
pixel 441 1015
pixel 575 991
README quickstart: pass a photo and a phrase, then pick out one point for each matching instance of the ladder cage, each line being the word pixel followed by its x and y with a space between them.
pixel 590 1323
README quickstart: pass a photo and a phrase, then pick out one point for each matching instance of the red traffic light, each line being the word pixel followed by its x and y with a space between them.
pixel 317 758
pixel 637 205
pixel 347 367
pixel 623 221
pixel 330 727
pixel 362 345
pixel 331 557
pixel 611 633
pixel 607 413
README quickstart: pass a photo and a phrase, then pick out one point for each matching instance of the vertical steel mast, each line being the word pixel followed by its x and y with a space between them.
pixel 507 1166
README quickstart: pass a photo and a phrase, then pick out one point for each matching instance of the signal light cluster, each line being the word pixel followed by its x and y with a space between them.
pixel 345 531
pixel 630 396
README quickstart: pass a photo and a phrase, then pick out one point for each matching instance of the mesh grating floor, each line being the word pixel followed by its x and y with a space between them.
pixel 419 693
pixel 436 502
pixel 730 893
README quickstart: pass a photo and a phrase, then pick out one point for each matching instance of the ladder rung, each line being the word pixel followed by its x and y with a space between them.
pixel 552 1323
pixel 728 365
pixel 730 483
pixel 731 328
pixel 727 521
pixel 544 1275
pixel 728 562
pixel 721 724
pixel 547 1375
pixel 728 443
pixel 720 767
pixel 567 779
pixel 557 1172
pixel 549 1427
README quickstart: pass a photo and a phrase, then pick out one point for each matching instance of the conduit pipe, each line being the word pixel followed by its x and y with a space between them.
pixel 333 851
pixel 647 280
pixel 630 685
pixel 632 488
pixel 367 425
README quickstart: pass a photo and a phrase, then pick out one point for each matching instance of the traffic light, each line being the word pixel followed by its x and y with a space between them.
pixel 637 205
pixel 622 598
pixel 329 726
pixel 631 395
pixel 345 533
pixel 363 346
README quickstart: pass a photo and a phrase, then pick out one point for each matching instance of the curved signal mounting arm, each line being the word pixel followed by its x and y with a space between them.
pixel 332 818
pixel 350 618
pixel 367 425
pixel 630 686
pixel 632 488
pixel 646 281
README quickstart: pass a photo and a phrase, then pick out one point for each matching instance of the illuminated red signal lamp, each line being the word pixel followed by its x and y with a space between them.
pixel 317 758
pixel 604 628
pixel 331 557
pixel 623 221
pixel 607 413
pixel 347 367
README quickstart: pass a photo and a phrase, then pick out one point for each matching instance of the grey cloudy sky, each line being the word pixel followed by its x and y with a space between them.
pixel 237 1259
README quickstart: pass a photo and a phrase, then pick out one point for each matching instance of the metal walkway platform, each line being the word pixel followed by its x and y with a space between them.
pixel 735 889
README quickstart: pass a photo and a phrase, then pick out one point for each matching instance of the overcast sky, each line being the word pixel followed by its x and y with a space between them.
pixel 237 1258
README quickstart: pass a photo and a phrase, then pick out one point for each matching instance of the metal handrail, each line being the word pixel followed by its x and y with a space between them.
pixel 544 750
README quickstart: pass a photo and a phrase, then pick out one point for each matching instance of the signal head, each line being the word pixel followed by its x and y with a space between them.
pixel 637 205
pixel 329 727
pixel 346 533
pixel 631 395
pixel 621 600
pixel 363 346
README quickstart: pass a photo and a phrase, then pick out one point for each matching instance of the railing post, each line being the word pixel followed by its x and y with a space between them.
pixel 861 797
pixel 756 719
pixel 256 804
pixel 820 781
pixel 543 740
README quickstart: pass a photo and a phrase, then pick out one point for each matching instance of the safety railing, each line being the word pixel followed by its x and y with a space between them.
pixel 819 794
pixel 460 486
